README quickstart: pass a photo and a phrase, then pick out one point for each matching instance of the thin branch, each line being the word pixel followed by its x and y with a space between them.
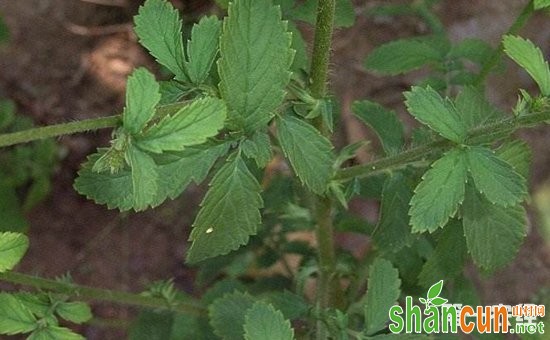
pixel 189 306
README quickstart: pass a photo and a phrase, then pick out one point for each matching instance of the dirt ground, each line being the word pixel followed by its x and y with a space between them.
pixel 68 60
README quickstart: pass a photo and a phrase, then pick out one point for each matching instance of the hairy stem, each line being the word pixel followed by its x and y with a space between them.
pixel 514 29
pixel 497 130
pixel 328 289
pixel 189 306
pixel 38 133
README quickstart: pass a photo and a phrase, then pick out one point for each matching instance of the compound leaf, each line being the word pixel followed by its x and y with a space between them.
pixel 530 58
pixel 77 312
pixel 393 231
pixel 474 109
pixel 493 233
pixel 429 108
pixel 202 48
pixel 227 315
pixel 402 56
pixel 191 125
pixel 255 62
pixel 440 193
pixel 12 248
pixel 384 122
pixel 495 178
pixel 158 26
pixel 448 257
pixel 230 212
pixel 309 153
pixel 14 317
pixel 142 95
pixel 263 321
pixel 383 290
pixel 144 178
pixel 258 147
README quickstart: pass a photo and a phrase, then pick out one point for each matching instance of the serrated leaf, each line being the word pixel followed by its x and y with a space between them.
pixel 227 315
pixel 142 96
pixel 384 122
pixel 495 178
pixel 258 147
pixel 309 153
pixel 144 178
pixel 255 62
pixel 178 169
pixel 175 171
pixel 475 50
pixel 230 212
pixel 440 193
pixel 262 321
pixel 402 56
pixel 12 248
pixel 158 26
pixel 540 4
pixel 202 48
pixel 530 58
pixel 344 14
pixel 14 317
pixel 429 108
pixel 54 333
pixel 393 231
pixel 77 312
pixel 191 125
pixel 383 290
pixel 493 233
pixel 448 257
pixel 474 109
pixel 518 154
pixel 435 290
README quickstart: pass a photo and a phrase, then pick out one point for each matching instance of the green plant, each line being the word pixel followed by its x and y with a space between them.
pixel 241 92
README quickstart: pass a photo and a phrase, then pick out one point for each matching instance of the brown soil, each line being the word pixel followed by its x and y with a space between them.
pixel 68 60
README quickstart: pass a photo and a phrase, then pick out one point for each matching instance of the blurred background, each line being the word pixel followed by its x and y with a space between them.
pixel 68 60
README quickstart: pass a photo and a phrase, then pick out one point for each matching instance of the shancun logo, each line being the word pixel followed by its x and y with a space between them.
pixel 438 316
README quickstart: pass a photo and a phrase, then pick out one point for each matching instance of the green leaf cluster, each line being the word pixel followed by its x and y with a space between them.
pixel 499 188
pixel 38 314
pixel 132 173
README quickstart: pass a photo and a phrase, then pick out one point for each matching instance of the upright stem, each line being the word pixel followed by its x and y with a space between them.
pixel 328 289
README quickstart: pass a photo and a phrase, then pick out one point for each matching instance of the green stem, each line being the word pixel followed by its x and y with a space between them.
pixel 30 135
pixel 514 29
pixel 189 306
pixel 494 130
pixel 328 288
